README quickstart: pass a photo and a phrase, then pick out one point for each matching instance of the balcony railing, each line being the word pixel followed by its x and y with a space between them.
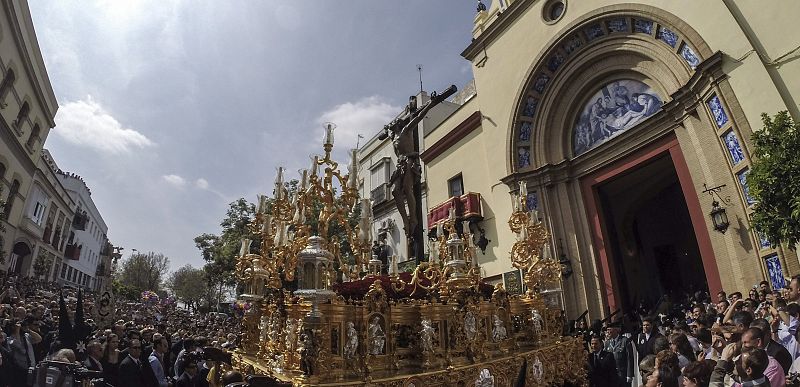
pixel 380 194
pixel 467 207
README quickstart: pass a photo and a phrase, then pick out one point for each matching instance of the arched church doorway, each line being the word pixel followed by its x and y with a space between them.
pixel 648 229
pixel 19 254
pixel 650 237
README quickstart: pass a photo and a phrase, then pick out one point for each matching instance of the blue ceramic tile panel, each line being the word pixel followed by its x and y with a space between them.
pixel 525 131
pixel 720 116
pixel 532 201
pixel 555 61
pixel 763 242
pixel 689 56
pixel 643 26
pixel 618 25
pixel 572 44
pixel 742 176
pixel 523 157
pixel 734 148
pixel 530 107
pixel 775 272
pixel 593 31
pixel 667 36
pixel 541 83
pixel 611 110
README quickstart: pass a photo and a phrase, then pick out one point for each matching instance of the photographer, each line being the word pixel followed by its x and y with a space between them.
pixel 20 341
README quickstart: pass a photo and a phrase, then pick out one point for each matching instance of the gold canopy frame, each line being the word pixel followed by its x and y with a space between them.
pixel 437 327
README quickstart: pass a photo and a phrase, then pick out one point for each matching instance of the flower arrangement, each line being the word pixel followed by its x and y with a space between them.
pixel 149 297
pixel 240 307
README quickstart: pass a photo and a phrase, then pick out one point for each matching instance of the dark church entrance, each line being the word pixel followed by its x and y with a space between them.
pixel 649 235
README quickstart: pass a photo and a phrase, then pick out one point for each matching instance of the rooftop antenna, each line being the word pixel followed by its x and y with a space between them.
pixel 419 68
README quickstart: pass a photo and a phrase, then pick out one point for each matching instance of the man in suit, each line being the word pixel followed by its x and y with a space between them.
pixel 188 377
pixel 774 349
pixel 130 369
pixel 94 353
pixel 619 347
pixel 602 368
pixel 645 340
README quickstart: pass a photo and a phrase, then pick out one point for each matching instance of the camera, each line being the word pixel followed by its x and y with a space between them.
pixel 50 373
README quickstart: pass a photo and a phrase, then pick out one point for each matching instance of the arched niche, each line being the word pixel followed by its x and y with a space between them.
pixel 622 43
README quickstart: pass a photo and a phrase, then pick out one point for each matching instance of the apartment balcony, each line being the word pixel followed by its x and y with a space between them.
pixel 380 194
pixel 467 207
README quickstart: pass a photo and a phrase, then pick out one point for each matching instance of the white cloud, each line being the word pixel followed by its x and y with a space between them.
pixel 201 183
pixel 366 116
pixel 86 123
pixel 175 180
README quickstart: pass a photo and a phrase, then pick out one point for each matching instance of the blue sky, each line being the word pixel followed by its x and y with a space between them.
pixel 170 110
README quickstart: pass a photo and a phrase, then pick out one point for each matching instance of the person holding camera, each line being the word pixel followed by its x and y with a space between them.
pixel 20 341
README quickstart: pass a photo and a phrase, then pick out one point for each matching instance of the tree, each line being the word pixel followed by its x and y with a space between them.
pixel 188 284
pixel 144 271
pixel 774 180
pixel 42 265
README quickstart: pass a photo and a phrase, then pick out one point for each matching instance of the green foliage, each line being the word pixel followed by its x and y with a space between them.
pixel 42 265
pixel 188 284
pixel 774 180
pixel 143 272
pixel 122 291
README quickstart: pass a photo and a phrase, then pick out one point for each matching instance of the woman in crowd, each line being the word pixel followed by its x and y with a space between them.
pixel 111 359
pixel 679 344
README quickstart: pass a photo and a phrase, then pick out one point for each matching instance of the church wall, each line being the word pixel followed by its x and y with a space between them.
pixel 503 68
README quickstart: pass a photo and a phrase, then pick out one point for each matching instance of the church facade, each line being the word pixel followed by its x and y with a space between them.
pixel 630 122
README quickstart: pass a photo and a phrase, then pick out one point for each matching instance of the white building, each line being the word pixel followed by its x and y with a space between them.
pixel 46 222
pixel 87 239
pixel 377 161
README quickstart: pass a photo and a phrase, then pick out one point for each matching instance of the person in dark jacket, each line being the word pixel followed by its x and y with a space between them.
pixel 602 367
pixel 773 348
pixel 130 369
pixel 646 339
pixel 188 377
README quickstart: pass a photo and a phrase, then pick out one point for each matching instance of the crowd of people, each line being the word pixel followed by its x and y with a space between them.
pixel 146 344
pixel 732 340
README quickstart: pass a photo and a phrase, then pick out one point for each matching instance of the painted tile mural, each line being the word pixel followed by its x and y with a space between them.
pixel 541 83
pixel 525 131
pixel 718 111
pixel 689 56
pixel 763 242
pixel 618 25
pixel 615 108
pixel 775 272
pixel 593 31
pixel 530 107
pixel 643 26
pixel 742 176
pixel 667 36
pixel 734 148
pixel 532 201
pixel 555 62
pixel 523 157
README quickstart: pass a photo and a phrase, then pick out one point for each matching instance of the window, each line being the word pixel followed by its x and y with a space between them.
pixel 8 80
pixel 12 194
pixel 553 11
pixel 33 137
pixel 64 270
pixel 455 186
pixel 38 213
pixel 22 115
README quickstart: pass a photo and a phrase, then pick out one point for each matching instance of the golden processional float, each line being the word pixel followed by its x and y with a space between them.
pixel 345 324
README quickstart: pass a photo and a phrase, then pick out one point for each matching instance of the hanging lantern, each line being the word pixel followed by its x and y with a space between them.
pixel 719 217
